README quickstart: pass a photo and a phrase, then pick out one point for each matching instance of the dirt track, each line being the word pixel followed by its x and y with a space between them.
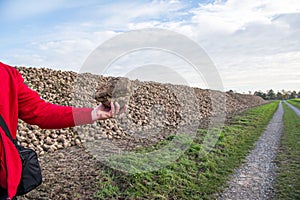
pixel 296 110
pixel 255 178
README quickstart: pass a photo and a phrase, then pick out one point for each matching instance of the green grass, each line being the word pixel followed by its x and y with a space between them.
pixel 193 175
pixel 295 102
pixel 288 174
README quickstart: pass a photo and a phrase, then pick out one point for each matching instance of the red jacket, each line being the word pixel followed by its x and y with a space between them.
pixel 18 101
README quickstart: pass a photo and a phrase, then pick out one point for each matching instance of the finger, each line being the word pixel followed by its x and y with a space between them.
pixel 106 115
pixel 112 109
pixel 123 109
pixel 101 106
pixel 117 108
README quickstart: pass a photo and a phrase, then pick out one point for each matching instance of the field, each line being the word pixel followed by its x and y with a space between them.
pixel 295 102
pixel 196 173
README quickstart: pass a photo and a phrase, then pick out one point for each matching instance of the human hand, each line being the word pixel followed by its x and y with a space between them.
pixel 102 113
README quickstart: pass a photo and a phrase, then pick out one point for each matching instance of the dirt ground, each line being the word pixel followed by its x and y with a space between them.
pixel 69 173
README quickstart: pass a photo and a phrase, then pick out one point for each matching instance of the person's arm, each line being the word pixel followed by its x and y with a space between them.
pixel 34 110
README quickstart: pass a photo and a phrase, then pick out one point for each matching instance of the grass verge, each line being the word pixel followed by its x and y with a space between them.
pixel 295 102
pixel 287 184
pixel 194 175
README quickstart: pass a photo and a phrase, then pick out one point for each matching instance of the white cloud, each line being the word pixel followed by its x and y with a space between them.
pixel 70 43
pixel 137 65
pixel 66 47
pixel 235 15
pixel 245 39
pixel 255 44
pixel 264 72
pixel 120 15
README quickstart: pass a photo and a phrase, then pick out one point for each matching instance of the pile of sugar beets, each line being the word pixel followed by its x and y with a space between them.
pixel 151 107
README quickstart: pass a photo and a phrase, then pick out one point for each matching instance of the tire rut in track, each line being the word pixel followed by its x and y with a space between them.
pixel 296 110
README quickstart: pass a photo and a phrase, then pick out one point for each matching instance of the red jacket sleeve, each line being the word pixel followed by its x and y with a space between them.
pixel 35 111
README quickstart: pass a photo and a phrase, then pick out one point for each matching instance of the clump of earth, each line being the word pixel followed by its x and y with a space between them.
pixel 114 90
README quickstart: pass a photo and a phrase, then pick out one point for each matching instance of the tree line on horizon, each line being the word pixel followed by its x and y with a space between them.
pixel 280 95
pixel 271 95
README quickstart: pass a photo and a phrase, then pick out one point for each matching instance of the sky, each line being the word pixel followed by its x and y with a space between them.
pixel 253 44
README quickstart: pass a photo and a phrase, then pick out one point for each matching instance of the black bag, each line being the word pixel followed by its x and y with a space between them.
pixel 31 170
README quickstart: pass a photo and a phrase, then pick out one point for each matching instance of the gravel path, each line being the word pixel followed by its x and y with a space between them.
pixel 255 178
pixel 296 110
